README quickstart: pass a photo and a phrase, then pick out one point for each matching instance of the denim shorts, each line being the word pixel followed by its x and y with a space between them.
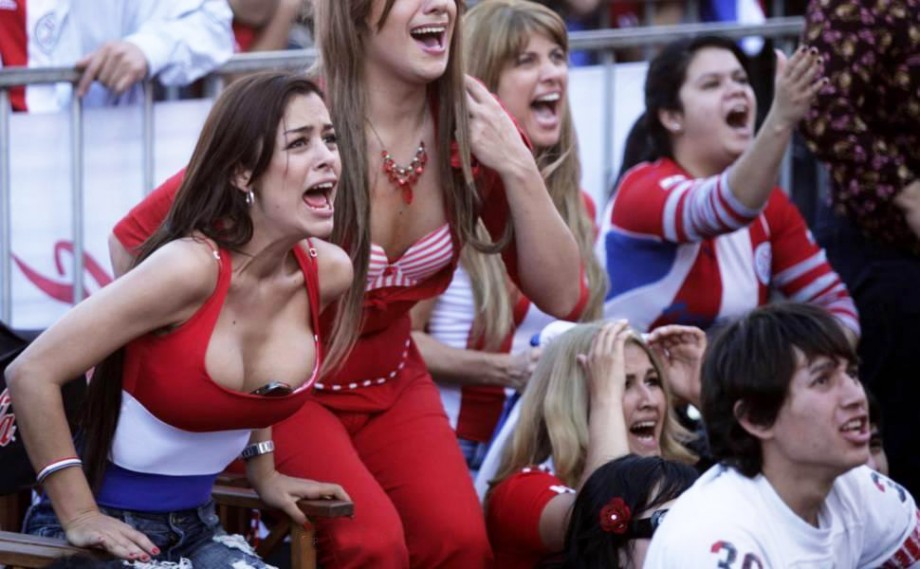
pixel 474 452
pixel 187 539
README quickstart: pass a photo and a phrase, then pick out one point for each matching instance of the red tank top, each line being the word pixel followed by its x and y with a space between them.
pixel 167 374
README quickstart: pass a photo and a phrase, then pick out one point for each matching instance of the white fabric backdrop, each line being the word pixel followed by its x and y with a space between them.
pixel 41 198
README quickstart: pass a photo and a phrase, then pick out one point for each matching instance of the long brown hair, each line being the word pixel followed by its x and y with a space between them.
pixel 238 135
pixel 554 411
pixel 496 32
pixel 342 29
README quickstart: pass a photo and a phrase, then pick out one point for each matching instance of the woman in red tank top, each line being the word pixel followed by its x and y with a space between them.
pixel 209 320
pixel 427 153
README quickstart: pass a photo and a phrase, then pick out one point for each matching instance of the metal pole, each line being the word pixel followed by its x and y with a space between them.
pixel 609 59
pixel 785 172
pixel 148 137
pixel 76 181
pixel 6 205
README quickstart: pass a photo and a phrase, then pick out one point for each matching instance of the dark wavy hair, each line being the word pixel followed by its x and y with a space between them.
pixel 751 363
pixel 667 74
pixel 643 482
pixel 238 135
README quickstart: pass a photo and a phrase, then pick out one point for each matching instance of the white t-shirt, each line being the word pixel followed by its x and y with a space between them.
pixel 729 521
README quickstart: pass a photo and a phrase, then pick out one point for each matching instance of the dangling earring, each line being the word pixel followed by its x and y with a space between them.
pixel 250 197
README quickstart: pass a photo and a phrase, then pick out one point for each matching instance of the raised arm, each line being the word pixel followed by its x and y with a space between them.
pixel 547 262
pixel 754 175
pixel 662 201
pixel 607 439
pixel 164 290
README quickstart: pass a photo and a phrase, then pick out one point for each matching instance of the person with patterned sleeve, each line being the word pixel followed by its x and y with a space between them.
pixel 865 125
pixel 788 422
pixel 699 234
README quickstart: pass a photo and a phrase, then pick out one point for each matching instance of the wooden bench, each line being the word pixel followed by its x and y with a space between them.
pixel 233 504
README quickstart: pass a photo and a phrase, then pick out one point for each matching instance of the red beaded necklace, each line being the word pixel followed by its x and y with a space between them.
pixel 403 177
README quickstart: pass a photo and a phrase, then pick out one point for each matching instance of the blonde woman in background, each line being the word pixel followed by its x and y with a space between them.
pixel 599 392
pixel 475 336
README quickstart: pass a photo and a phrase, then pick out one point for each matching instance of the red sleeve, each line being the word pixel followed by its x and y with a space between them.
pixel 496 213
pixel 514 509
pixel 144 218
pixel 591 210
pixel 799 266
pixel 660 200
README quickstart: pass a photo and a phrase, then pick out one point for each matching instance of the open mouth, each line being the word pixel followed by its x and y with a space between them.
pixel 546 108
pixel 644 431
pixel 432 38
pixel 738 117
pixel 319 195
pixel 857 430
pixel 857 425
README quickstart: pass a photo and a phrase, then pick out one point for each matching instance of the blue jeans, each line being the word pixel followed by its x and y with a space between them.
pixel 474 452
pixel 194 536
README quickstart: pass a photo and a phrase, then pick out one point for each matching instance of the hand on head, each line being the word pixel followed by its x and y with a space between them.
pixel 494 139
pixel 681 350
pixel 798 80
pixel 604 364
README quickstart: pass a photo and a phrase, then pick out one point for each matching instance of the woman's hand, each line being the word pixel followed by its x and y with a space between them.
pixel 681 350
pixel 520 368
pixel 494 139
pixel 97 530
pixel 604 363
pixel 282 492
pixel 798 80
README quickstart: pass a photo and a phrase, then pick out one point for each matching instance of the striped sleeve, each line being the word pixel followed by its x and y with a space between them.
pixel 661 200
pixel 799 266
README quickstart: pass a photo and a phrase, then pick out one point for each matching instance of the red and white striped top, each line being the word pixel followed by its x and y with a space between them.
pixel 424 258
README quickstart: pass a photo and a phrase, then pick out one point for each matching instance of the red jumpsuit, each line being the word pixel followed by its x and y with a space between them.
pixel 378 428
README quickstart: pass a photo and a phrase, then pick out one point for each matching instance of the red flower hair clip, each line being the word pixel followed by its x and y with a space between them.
pixel 615 516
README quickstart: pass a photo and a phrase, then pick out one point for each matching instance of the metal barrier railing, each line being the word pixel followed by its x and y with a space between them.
pixel 603 41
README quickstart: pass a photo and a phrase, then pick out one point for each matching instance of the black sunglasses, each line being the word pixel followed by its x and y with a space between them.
pixel 645 528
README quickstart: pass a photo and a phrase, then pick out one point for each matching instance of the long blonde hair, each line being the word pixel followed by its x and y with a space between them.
pixel 341 31
pixel 554 411
pixel 496 31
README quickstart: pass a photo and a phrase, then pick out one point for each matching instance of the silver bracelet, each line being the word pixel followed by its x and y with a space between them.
pixel 256 449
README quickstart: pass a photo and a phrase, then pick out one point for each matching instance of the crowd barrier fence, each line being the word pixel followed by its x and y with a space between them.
pixel 784 31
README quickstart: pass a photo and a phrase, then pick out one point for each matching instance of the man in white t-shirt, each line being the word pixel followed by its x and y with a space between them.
pixel 788 424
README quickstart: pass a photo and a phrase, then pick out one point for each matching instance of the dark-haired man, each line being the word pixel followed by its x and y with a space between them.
pixel 788 423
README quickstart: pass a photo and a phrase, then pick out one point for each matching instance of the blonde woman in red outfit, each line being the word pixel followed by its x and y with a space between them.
pixel 426 153
pixel 476 336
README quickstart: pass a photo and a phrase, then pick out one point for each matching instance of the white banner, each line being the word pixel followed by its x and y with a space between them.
pixel 42 242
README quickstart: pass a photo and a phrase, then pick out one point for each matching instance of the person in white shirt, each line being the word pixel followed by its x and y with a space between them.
pixel 116 43
pixel 788 423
